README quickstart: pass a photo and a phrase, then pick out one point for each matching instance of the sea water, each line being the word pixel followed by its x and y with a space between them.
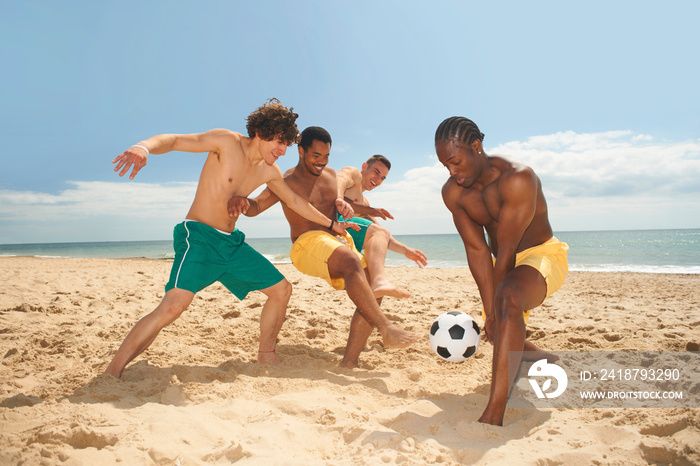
pixel 649 251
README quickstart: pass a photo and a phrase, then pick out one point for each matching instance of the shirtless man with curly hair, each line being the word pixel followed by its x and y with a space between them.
pixel 208 246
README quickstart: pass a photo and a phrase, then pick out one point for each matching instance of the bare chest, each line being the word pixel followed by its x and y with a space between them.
pixel 321 193
pixel 232 174
pixel 355 194
pixel 483 206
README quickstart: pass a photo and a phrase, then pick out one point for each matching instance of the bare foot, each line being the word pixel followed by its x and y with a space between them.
pixel 268 358
pixel 531 356
pixel 395 337
pixel 486 418
pixel 349 364
pixel 386 288
pixel 533 353
pixel 113 371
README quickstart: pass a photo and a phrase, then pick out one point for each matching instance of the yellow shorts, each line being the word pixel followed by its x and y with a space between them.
pixel 310 253
pixel 549 259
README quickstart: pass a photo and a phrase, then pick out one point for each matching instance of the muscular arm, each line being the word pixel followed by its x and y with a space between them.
pixel 478 252
pixel 298 204
pixel 261 203
pixel 278 190
pixel 295 202
pixel 209 141
pixel 368 211
pixel 414 254
pixel 347 178
pixel 518 193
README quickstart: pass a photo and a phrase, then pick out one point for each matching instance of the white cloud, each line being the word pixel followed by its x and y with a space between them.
pixel 415 201
pixel 615 163
pixel 94 211
pixel 97 198
pixel 611 180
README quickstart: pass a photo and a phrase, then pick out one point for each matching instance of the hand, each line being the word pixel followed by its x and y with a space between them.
pixel 489 328
pixel 344 208
pixel 383 213
pixel 237 205
pixel 417 256
pixel 340 227
pixel 132 156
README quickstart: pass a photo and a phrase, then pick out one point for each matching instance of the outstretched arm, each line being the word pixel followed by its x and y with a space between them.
pixel 137 155
pixel 366 210
pixel 301 206
pixel 414 254
pixel 238 205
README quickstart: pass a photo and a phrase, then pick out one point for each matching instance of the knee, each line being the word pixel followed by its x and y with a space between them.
pixel 346 264
pixel 171 312
pixel 173 305
pixel 507 302
pixel 375 230
pixel 282 291
pixel 286 290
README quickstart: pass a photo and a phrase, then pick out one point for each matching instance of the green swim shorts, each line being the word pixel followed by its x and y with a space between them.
pixel 358 236
pixel 204 255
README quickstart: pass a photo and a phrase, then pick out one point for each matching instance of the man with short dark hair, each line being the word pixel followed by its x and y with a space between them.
pixel 319 252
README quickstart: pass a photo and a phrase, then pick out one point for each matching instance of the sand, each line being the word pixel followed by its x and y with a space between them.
pixel 197 397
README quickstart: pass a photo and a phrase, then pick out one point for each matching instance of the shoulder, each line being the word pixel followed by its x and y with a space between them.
pixel 273 173
pixel 328 171
pixel 222 133
pixel 518 172
pixel 349 172
pixel 224 138
pixel 517 178
pixel 451 193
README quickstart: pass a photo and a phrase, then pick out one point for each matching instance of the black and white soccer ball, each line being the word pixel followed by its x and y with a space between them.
pixel 454 336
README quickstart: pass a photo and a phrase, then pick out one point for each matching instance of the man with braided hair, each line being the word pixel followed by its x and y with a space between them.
pixel 521 264
pixel 208 246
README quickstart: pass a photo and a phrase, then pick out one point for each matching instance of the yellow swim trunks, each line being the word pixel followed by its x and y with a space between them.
pixel 310 253
pixel 549 259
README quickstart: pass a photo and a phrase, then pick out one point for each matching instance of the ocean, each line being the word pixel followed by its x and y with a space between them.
pixel 647 251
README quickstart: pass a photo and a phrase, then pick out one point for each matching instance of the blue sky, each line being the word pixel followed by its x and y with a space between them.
pixel 600 98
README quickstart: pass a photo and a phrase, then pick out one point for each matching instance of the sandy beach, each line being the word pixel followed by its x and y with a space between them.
pixel 197 396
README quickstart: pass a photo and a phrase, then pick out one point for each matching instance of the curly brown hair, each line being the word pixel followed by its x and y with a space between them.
pixel 273 121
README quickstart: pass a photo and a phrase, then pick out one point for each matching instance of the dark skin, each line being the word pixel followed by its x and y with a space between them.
pixel 312 180
pixel 504 199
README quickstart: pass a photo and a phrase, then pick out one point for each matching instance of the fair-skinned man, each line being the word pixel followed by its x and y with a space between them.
pixel 318 252
pixel 504 199
pixel 372 237
pixel 208 247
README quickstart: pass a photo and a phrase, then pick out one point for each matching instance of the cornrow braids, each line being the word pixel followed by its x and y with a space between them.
pixel 460 128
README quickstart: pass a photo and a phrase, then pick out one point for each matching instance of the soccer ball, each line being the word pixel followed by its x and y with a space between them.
pixel 454 336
